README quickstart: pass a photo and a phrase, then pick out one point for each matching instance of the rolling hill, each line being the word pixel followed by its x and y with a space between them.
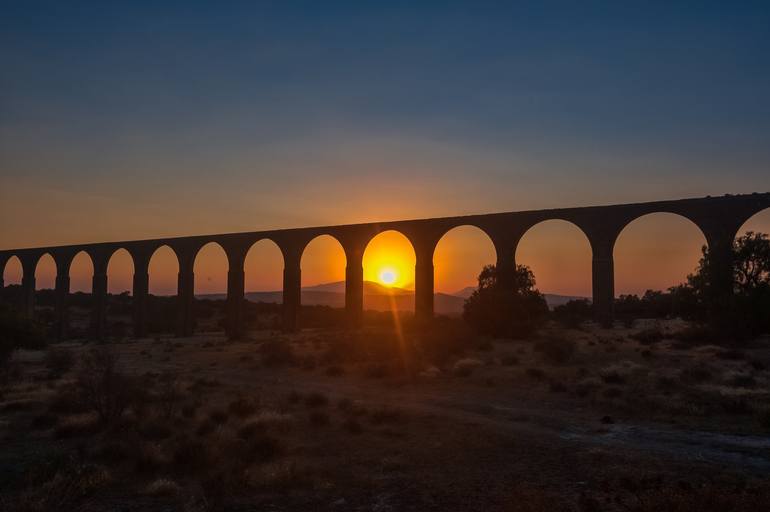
pixel 377 297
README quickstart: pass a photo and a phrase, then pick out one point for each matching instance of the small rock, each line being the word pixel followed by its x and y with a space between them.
pixel 607 420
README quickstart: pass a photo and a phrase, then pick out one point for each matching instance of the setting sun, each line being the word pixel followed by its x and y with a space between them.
pixel 389 260
pixel 388 276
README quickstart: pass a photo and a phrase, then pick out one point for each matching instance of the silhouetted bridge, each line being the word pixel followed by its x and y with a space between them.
pixel 719 218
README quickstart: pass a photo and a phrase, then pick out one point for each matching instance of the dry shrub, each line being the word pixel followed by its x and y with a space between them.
pixel 697 373
pixel 763 418
pixel 149 458
pixel 61 486
pixel 465 367
pixel 243 406
pixel 258 449
pixel 316 400
pixel 535 373
pixel 587 386
pixel 277 352
pixel 44 421
pixel 740 379
pixel 319 419
pixel 155 429
pixel 693 335
pixel 377 370
pixel 219 416
pixel 103 388
pixel 250 429
pixel 556 349
pixel 335 371
pixel 162 487
pixel 386 415
pixel 710 497
pixel 168 395
pixel 527 498
pixel 77 426
pixel 279 476
pixel 190 455
pixel 353 426
pixel 648 336
pixel 619 373
pixel 273 420
pixel 59 361
pixel 509 360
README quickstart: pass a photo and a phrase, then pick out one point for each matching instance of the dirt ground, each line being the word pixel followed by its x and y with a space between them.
pixel 581 419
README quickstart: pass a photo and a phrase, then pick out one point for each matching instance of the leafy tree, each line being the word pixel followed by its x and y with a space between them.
pixel 513 309
pixel 573 313
pixel 749 312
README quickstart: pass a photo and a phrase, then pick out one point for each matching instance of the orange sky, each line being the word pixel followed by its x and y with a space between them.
pixel 557 252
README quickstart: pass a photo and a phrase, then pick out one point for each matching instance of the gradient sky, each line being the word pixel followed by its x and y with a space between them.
pixel 144 120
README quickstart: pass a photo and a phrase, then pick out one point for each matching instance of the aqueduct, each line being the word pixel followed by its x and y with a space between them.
pixel 719 218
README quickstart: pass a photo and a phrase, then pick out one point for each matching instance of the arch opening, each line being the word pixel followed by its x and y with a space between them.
pixel 263 284
pixel 458 259
pixel 757 223
pixel 210 268
pixel 120 275
pixel 12 275
pixel 45 273
pixel 81 272
pixel 79 301
pixel 163 270
pixel 559 254
pixel 655 252
pixel 389 265
pixel 45 297
pixel 13 271
pixel 323 265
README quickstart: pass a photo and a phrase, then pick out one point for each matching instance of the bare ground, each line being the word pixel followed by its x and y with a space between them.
pixel 618 425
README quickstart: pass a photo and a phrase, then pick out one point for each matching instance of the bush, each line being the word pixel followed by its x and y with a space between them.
pixel 465 367
pixel 59 361
pixel 277 352
pixel 573 313
pixel 648 336
pixel 556 350
pixel 102 386
pixel 512 310
pixel 314 400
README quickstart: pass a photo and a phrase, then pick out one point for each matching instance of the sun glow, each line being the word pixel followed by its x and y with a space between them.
pixel 389 260
pixel 388 276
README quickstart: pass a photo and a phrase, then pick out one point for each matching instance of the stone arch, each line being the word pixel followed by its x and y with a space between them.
pixel 263 272
pixel 13 271
pixel 665 238
pixel 323 261
pixel 458 258
pixel 163 259
pixel 118 262
pixel 163 290
pixel 758 223
pixel 45 272
pixel 389 251
pixel 210 266
pixel 559 253
pixel 80 270
pixel 205 264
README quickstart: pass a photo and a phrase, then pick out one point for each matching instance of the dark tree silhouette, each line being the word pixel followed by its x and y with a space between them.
pixel 749 313
pixel 513 310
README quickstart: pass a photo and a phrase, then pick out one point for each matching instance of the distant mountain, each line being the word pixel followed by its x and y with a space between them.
pixel 379 297
pixel 465 292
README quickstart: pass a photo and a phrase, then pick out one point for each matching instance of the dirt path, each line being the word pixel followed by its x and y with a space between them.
pixel 555 421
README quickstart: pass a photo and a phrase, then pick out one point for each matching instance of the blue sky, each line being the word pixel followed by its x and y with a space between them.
pixel 141 120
